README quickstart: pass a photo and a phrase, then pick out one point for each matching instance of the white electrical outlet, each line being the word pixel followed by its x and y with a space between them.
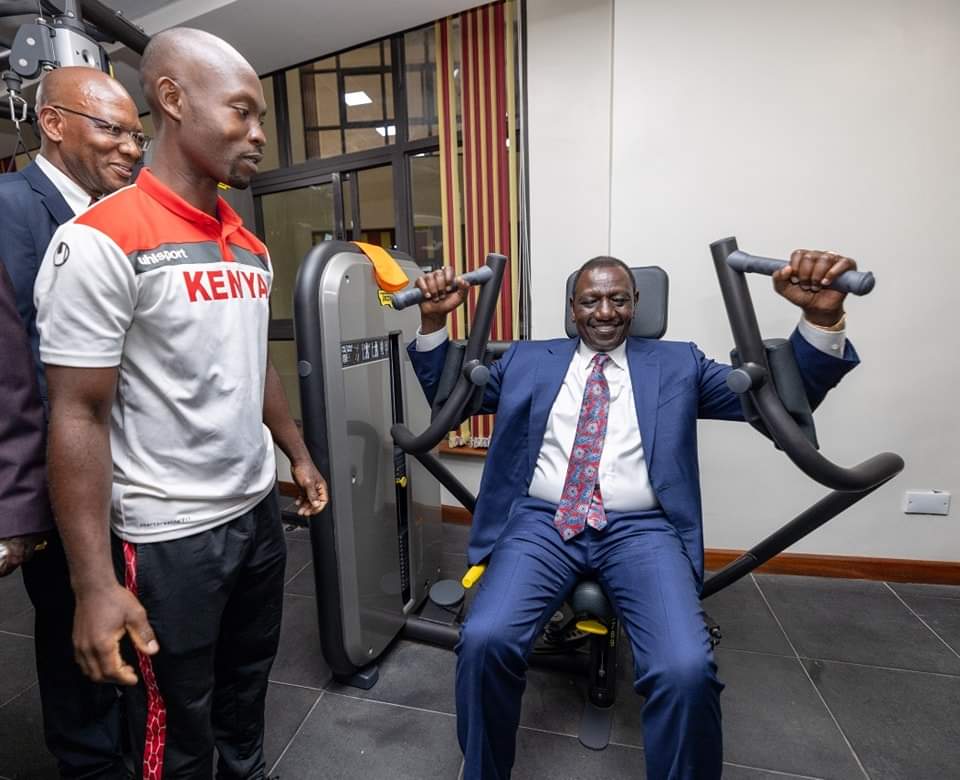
pixel 926 502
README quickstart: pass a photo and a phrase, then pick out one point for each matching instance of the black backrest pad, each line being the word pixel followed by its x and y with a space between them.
pixel 650 313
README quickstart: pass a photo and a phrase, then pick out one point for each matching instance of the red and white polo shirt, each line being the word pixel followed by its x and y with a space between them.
pixel 179 301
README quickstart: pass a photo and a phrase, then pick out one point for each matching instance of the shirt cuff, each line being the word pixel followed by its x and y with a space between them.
pixel 830 342
pixel 430 341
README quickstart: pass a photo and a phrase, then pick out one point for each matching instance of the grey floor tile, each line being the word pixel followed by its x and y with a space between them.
pixel 20 623
pixel 349 739
pixel 13 596
pixel 297 532
pixel 737 772
pixel 541 755
pixel 456 538
pixel 286 708
pixel 773 718
pixel 856 621
pixel 303 584
pixel 299 554
pixel 941 614
pixel 902 724
pixel 940 591
pixel 627 717
pixel 17 666
pixel 553 701
pixel 745 620
pixel 23 756
pixel 300 660
pixel 412 674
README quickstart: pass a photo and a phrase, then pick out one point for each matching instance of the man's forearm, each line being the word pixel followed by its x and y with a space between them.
pixel 277 418
pixel 80 473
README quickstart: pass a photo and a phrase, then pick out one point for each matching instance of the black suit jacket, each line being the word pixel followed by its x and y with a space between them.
pixel 24 506
pixel 31 210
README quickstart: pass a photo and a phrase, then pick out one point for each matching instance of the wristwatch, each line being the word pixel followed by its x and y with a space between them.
pixel 39 543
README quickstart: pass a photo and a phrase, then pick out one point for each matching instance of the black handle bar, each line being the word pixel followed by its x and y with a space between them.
pixel 413 296
pixel 452 411
pixel 753 379
pixel 855 282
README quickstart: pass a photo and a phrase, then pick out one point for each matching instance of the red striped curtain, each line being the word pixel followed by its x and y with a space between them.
pixel 476 85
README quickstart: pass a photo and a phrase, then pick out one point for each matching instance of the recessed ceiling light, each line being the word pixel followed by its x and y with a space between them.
pixel 360 98
pixel 388 130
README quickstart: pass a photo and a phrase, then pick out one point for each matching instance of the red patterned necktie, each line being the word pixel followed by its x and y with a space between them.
pixel 581 503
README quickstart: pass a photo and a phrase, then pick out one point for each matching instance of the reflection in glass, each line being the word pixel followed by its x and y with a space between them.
pixel 427 210
pixel 342 104
pixel 294 221
pixel 283 355
pixel 271 152
pixel 420 53
pixel 378 223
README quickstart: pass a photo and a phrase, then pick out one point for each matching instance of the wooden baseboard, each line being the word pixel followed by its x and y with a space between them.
pixel 456 514
pixel 848 567
pixel 840 566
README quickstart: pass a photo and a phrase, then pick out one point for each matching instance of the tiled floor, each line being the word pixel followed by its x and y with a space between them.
pixel 825 679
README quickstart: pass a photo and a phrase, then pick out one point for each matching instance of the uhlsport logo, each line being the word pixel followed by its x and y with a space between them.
pixel 162 256
pixel 62 254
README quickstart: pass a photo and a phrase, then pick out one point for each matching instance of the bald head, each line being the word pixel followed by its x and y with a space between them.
pixel 192 58
pixel 208 110
pixel 76 86
pixel 86 120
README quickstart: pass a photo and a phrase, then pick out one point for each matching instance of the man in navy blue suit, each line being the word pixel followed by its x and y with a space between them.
pixel 91 138
pixel 593 470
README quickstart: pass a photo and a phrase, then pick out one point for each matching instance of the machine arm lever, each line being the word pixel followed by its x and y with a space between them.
pixel 402 300
pixel 854 282
pixel 778 421
pixel 453 410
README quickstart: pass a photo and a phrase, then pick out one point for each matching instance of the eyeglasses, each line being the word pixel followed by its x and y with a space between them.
pixel 112 129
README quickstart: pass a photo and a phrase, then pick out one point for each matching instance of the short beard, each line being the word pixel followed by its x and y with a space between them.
pixel 237 180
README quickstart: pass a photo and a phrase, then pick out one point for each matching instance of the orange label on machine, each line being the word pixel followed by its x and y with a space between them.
pixel 386 270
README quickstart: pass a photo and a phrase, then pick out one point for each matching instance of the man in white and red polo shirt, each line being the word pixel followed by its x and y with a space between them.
pixel 153 309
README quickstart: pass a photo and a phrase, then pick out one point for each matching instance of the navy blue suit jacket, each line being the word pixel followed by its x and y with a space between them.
pixel 674 385
pixel 32 209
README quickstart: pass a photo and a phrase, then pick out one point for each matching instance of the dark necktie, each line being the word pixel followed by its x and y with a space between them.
pixel 581 503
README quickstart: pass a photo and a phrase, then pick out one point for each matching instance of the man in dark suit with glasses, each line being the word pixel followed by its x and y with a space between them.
pixel 91 138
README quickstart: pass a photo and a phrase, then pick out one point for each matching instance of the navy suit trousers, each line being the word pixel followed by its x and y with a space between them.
pixel 640 562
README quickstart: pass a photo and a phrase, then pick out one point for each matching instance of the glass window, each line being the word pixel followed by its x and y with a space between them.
pixel 271 152
pixel 298 151
pixel 427 210
pixel 283 355
pixel 378 221
pixel 420 53
pixel 294 221
pixel 342 104
pixel 366 56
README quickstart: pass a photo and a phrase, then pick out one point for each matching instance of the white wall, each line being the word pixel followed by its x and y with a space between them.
pixel 828 125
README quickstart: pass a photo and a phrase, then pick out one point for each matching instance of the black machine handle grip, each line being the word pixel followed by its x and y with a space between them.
pixel 413 296
pixel 782 427
pixel 855 282
pixel 452 412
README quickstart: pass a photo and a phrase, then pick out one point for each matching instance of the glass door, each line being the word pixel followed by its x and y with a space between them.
pixel 357 205
pixel 370 213
pixel 292 222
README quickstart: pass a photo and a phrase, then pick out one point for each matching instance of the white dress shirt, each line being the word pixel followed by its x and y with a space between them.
pixel 624 481
pixel 76 197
